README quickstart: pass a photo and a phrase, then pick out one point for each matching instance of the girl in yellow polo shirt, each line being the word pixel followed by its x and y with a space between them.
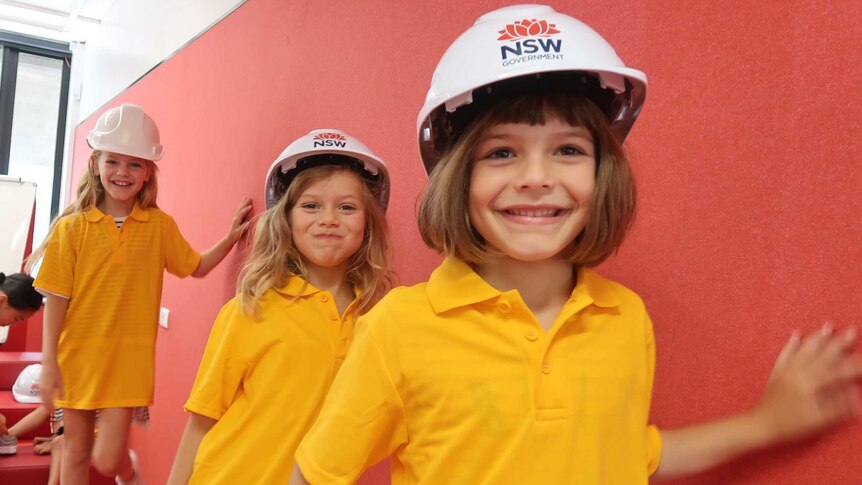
pixel 515 363
pixel 319 260
pixel 102 270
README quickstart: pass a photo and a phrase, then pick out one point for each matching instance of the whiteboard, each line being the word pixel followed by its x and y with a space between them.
pixel 16 209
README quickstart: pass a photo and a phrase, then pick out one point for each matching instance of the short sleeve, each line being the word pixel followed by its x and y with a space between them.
pixel 362 420
pixel 57 271
pixel 652 436
pixel 181 259
pixel 653 448
pixel 220 375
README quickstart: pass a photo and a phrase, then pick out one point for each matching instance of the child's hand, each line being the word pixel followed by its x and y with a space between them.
pixel 241 219
pixel 50 382
pixel 814 385
pixel 3 430
pixel 42 446
pixel 214 255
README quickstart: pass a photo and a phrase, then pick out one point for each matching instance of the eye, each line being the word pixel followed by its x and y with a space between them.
pixel 500 153
pixel 571 150
pixel 137 165
pixel 110 162
pixel 310 205
pixel 348 207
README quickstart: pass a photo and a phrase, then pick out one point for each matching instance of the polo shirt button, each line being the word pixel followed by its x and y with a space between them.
pixel 504 307
pixel 546 368
pixel 531 335
pixel 334 318
pixel 324 298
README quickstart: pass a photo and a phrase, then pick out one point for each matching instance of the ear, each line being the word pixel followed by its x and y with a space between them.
pixel 3 298
pixel 94 164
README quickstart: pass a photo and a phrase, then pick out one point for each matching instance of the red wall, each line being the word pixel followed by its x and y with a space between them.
pixel 747 157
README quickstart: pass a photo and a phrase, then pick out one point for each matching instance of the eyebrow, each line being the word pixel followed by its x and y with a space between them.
pixel 128 160
pixel 579 132
pixel 313 195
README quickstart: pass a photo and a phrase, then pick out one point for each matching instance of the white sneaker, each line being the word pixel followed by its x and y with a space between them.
pixel 8 444
pixel 137 479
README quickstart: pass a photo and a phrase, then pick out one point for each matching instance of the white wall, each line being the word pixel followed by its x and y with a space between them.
pixel 134 37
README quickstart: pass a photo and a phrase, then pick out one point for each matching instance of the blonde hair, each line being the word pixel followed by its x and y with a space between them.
pixel 274 256
pixel 444 220
pixel 91 193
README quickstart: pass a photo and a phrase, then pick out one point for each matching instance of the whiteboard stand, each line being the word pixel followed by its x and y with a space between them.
pixel 17 205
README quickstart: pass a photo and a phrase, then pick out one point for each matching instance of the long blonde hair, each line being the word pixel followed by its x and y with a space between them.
pixel 91 192
pixel 274 256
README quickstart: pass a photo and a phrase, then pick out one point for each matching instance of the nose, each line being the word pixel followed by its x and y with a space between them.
pixel 329 217
pixel 535 173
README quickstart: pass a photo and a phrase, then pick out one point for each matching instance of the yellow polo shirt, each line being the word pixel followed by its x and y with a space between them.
pixel 264 381
pixel 113 280
pixel 460 384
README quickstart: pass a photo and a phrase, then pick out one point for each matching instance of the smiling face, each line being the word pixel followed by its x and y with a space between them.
pixel 460 210
pixel 531 187
pixel 122 177
pixel 328 220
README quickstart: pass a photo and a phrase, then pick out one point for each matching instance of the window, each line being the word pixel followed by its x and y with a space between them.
pixel 34 92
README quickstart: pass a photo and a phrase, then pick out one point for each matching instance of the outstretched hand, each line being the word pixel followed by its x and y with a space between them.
pixel 814 384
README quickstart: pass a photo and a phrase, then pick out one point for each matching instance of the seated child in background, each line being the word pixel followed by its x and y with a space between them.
pixel 26 390
pixel 18 299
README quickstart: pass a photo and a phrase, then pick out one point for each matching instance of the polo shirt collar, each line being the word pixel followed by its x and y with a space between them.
pixel 296 286
pixel 454 284
pixel 93 214
pixel 595 288
pixel 139 214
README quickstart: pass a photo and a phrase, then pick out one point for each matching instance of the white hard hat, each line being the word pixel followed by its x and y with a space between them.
pixel 526 44
pixel 342 148
pixel 127 130
pixel 26 387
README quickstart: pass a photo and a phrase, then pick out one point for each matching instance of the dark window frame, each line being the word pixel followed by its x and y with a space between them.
pixel 13 44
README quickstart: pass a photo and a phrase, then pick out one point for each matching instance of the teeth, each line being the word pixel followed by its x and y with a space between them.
pixel 542 213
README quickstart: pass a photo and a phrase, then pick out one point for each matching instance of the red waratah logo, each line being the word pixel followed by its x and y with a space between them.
pixel 329 136
pixel 528 28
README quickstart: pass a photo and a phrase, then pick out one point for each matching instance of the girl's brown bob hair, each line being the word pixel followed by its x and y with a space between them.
pixel 443 217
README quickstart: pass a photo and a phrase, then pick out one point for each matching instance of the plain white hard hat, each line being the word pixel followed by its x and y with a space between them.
pixel 343 149
pixel 527 44
pixel 26 387
pixel 127 130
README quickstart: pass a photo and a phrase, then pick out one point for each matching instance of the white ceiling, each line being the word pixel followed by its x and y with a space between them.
pixel 63 20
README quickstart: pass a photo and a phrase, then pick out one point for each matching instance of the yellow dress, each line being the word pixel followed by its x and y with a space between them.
pixel 113 281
